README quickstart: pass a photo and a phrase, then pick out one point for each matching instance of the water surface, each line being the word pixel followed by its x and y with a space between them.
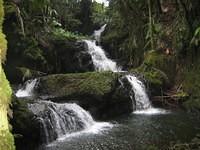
pixel 135 132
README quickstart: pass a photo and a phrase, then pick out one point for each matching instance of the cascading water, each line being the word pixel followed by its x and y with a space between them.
pixel 58 120
pixel 102 63
pixel 27 89
pixel 99 58
pixel 141 97
pixel 142 102
pixel 97 33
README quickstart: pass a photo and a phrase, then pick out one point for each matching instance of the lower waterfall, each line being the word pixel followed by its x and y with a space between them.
pixel 141 98
pixel 59 120
pixel 142 102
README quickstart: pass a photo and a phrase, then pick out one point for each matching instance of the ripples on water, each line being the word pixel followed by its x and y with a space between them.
pixel 134 132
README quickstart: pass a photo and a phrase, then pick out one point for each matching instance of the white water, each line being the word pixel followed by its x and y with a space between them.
pixel 60 121
pixel 151 111
pixel 27 89
pixel 141 97
pixel 100 60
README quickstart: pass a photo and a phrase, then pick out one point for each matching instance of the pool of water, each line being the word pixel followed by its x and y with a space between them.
pixel 134 132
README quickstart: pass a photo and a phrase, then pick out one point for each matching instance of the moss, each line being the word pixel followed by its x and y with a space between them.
pixel 161 61
pixel 3 46
pixel 5 90
pixel 3 42
pixel 7 140
pixel 82 83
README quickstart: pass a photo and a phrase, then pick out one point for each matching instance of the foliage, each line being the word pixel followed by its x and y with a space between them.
pixel 33 52
pixel 190 73
pixel 154 76
pixel 161 61
pixel 99 13
pixel 139 26
pixel 62 34
pixel 196 38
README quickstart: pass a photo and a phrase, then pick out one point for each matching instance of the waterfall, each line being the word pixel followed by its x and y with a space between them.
pixel 100 60
pixel 140 95
pixel 58 120
pixel 97 33
pixel 27 89
pixel 103 63
pixel 142 102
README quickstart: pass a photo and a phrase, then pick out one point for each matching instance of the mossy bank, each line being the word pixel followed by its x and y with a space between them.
pixel 6 138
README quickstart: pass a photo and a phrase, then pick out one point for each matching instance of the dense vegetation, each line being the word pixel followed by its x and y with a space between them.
pixel 157 35
pixel 159 39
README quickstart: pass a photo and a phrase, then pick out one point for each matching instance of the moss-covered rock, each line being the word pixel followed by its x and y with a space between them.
pixel 100 93
pixel 20 74
pixel 7 140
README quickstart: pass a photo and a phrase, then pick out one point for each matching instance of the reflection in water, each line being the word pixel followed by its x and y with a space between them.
pixel 135 132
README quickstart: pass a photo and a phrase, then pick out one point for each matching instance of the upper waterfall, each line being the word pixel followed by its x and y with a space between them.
pixel 100 60
pixel 97 33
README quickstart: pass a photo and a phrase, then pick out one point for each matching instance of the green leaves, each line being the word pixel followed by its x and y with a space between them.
pixel 196 38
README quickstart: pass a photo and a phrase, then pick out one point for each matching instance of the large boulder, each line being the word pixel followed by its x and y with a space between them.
pixel 100 93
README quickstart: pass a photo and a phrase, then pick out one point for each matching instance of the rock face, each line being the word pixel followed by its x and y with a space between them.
pixel 70 57
pixel 100 93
